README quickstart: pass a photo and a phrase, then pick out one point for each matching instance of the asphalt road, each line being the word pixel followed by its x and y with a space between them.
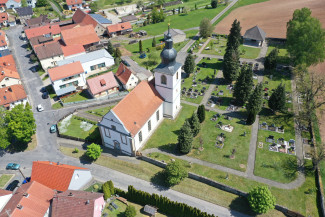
pixel 48 149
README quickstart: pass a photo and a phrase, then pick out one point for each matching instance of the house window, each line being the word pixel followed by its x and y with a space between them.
pixel 149 125
pixel 123 139
pixel 92 68
pixel 163 79
pixel 62 86
pixel 107 133
pixel 140 136
pixel 113 128
pixel 157 115
pixel 3 85
pixel 176 75
pixel 101 65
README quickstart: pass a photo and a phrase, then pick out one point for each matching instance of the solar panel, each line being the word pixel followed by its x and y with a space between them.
pixel 100 19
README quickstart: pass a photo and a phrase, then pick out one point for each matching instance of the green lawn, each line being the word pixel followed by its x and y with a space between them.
pixel 79 96
pixel 191 33
pixel 100 111
pixel 182 21
pixel 226 98
pixel 72 126
pixel 191 4
pixel 57 105
pixel 219 48
pixel 205 75
pixel 240 3
pixel 48 10
pixel 4 179
pixel 283 56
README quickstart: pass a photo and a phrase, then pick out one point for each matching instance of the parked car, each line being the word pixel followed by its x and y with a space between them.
pixel 12 185
pixel 26 180
pixel 45 95
pixel 12 166
pixel 40 108
pixel 53 128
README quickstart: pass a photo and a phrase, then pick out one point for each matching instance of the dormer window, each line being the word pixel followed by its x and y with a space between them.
pixel 163 79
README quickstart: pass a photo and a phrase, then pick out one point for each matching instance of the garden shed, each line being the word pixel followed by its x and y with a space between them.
pixel 150 210
pixel 254 37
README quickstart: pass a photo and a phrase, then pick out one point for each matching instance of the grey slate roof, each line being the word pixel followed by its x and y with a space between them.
pixel 128 18
pixel 100 19
pixel 5 52
pixel 255 33
pixel 86 57
pixel 169 70
pixel 150 210
pixel 25 11
pixel 175 32
pixel 65 90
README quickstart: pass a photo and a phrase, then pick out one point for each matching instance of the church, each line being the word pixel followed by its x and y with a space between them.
pixel 128 126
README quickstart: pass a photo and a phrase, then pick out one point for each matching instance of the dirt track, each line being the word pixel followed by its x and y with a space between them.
pixel 272 16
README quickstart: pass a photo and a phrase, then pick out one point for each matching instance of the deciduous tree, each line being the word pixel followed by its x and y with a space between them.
pixel 175 173
pixel 261 199
pixel 130 211
pixel 305 38
pixel 189 64
pixel 214 3
pixel 4 137
pixel 94 151
pixel 277 100
pixel 185 138
pixel 206 28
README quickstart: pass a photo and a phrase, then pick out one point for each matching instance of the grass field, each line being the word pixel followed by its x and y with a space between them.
pixel 283 56
pixel 80 96
pixel 181 21
pixel 227 96
pixel 191 33
pixel 4 179
pixel 100 111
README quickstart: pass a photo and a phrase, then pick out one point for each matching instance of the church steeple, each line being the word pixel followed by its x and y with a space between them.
pixel 168 54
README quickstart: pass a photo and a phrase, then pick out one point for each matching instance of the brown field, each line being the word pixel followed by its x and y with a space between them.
pixel 272 16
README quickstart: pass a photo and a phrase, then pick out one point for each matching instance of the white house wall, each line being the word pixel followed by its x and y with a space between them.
pixel 9 82
pixel 51 62
pixel 74 55
pixel 81 82
pixel 79 179
pixel 4 200
pixel 108 63
pixel 23 101
pixel 13 4
pixel 132 82
pixel 4 47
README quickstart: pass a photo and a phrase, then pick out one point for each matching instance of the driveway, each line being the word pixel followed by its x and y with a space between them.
pixel 48 149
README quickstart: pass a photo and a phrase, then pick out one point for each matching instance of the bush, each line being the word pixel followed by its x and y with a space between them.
pixel 214 3
pixel 261 199
pixel 130 211
pixel 175 173
pixel 96 187
pixel 106 191
pixel 94 151
pixel 76 150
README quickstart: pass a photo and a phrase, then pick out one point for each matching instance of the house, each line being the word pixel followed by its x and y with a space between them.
pixel 31 3
pixel 8 62
pixel 130 18
pixel 9 77
pixel 177 35
pixel 73 50
pixel 126 77
pixel 12 96
pixel 60 177
pixel 30 200
pixel 102 85
pixel 11 20
pixel 77 204
pixel 254 37
pixel 24 13
pixel 74 4
pixel 9 4
pixel 49 29
pixel 132 121
pixel 40 39
pixel 4 197
pixel 139 71
pixel 3 40
pixel 99 22
pixel 119 29
pixel 150 210
pixel 92 62
pixel 4 19
pixel 126 10
pixel 83 35
pixel 67 78
pixel 5 52
pixel 49 54
pixel 38 21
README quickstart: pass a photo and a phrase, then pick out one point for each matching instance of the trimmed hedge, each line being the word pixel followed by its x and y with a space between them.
pixel 163 204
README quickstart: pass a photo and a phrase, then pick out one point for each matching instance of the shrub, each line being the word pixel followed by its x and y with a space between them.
pixel 76 150
pixel 94 151
pixel 261 199
pixel 96 187
pixel 175 173
pixel 130 211
pixel 214 3
pixel 106 191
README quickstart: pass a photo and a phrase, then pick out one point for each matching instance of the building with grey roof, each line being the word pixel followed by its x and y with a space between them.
pixel 254 37
pixel 131 18
pixel 177 35
pixel 100 19
pixel 91 62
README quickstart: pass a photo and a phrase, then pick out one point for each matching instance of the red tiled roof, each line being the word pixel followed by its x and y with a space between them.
pixel 5 72
pixel 34 204
pixel 3 1
pixel 8 62
pixel 74 203
pixel 72 49
pixel 123 73
pixel 119 27
pixel 3 17
pixel 101 83
pixel 12 94
pixel 73 2
pixel 3 41
pixel 64 71
pixel 83 35
pixel 71 26
pixel 52 175
pixel 82 18
pixel 138 106
pixel 4 192
pixel 42 30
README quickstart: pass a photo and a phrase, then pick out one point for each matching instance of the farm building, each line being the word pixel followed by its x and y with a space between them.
pixel 254 37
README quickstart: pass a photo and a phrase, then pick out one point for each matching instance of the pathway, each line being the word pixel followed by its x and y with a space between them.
pixel 56 8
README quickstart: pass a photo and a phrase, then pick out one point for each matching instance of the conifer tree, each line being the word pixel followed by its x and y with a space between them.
pixel 231 65
pixel 140 46
pixel 254 104
pixel 234 37
pixel 106 190
pixel 185 138
pixel 189 64
pixel 118 53
pixel 201 113
pixel 243 86
pixel 195 124
pixel 110 48
pixel 154 43
pixel 111 187
pixel 277 100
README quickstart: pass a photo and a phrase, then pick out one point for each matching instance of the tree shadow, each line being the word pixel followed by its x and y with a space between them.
pixel 158 181
pixel 291 168
pixel 17 147
pixel 169 148
pixel 84 159
pixel 94 137
pixel 240 204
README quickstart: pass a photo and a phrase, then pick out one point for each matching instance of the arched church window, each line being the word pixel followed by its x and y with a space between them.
pixel 163 79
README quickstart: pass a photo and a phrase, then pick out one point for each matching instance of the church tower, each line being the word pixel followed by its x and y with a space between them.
pixel 168 78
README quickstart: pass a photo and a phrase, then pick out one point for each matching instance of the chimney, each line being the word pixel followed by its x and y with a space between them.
pixel 9 88
pixel 70 194
pixel 19 206
pixel 25 194
pixel 2 72
pixel 87 202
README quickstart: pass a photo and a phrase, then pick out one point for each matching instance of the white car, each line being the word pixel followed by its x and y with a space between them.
pixel 40 108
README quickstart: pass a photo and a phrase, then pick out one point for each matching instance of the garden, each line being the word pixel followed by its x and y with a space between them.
pixel 218 47
pixel 195 86
pixel 100 111
pixel 4 179
pixel 283 56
